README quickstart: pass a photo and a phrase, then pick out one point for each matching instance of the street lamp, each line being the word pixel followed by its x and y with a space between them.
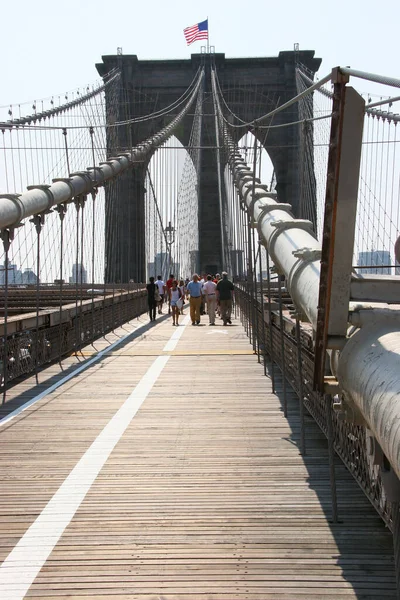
pixel 170 239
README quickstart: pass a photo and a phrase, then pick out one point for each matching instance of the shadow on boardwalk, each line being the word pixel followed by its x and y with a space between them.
pixel 364 543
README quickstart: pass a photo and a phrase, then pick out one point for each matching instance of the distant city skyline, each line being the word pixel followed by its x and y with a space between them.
pixel 27 275
pixel 377 262
pixel 17 276
pixel 79 274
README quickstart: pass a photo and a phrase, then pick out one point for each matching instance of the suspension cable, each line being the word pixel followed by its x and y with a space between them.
pixel 59 109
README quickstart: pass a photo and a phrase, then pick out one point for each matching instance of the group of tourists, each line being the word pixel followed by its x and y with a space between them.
pixel 211 295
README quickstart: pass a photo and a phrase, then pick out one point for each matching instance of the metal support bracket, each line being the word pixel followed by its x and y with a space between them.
pixel 347 411
pixel 295 224
pixel 7 236
pixel 281 226
pixel 339 221
pixel 15 200
pixel 79 201
pixel 259 194
pixel 110 164
pixel 308 254
pixel 95 171
pixel 66 180
pixel 38 221
pixel 276 206
pixel 46 189
pixel 61 209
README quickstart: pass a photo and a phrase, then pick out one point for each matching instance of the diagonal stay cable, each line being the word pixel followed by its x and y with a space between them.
pixel 38 199
pixel 368 109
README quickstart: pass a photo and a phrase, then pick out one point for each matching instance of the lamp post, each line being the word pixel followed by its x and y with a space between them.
pixel 170 239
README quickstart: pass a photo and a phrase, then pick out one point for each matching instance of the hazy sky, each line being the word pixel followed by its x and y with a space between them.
pixel 49 47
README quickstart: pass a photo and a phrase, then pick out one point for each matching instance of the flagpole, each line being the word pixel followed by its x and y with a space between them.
pixel 208 37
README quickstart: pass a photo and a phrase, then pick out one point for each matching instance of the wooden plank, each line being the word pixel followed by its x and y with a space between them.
pixel 205 495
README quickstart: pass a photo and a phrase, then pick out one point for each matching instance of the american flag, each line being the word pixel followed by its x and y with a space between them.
pixel 196 32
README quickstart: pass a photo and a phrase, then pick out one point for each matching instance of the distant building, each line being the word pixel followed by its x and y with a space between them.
pixel 375 260
pixel 237 264
pixel 13 273
pixel 79 274
pixel 397 256
pixel 194 263
pixel 29 277
pixel 176 270
pixel 16 276
pixel 160 264
pixel 163 266
pixel 150 270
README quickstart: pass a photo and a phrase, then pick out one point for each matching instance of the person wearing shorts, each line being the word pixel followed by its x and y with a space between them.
pixel 175 294
pixel 168 289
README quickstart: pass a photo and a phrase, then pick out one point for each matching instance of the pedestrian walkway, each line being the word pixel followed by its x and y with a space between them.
pixel 164 468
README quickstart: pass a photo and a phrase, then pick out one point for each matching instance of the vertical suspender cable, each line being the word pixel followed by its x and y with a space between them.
pixel 282 336
pixel 6 243
pixel 223 258
pixel 38 222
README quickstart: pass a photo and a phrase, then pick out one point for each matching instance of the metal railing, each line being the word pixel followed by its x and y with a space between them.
pixel 348 440
pixel 64 331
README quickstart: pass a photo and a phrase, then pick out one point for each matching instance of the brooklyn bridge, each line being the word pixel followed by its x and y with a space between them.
pixel 254 460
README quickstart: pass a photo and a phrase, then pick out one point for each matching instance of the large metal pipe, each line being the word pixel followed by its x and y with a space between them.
pixel 291 242
pixel 368 369
pixel 14 208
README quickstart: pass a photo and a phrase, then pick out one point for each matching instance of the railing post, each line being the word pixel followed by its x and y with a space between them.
pixel 331 453
pixel 61 209
pixel 282 336
pixel 271 335
pixel 256 340
pixel 7 236
pixel 396 542
pixel 262 309
pixel 300 384
pixel 38 221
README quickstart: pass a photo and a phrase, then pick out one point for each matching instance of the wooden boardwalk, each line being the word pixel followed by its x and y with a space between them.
pixel 166 470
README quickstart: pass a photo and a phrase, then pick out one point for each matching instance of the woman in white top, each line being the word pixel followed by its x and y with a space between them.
pixel 175 295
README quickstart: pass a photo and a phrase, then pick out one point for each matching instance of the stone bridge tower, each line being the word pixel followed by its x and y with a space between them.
pixel 150 85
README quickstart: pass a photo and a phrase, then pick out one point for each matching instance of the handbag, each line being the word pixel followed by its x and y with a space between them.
pixel 157 296
pixel 179 303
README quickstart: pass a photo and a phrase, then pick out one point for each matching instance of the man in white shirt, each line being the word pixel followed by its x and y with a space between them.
pixel 203 295
pixel 210 294
pixel 161 290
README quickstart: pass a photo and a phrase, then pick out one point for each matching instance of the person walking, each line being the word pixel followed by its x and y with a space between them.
pixel 152 298
pixel 209 289
pixel 161 290
pixel 169 286
pixel 175 295
pixel 182 287
pixel 194 289
pixel 225 290
pixel 216 279
pixel 203 297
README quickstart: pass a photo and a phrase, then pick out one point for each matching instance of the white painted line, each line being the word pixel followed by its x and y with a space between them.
pixel 216 331
pixel 20 568
pixel 22 565
pixel 171 344
pixel 61 382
